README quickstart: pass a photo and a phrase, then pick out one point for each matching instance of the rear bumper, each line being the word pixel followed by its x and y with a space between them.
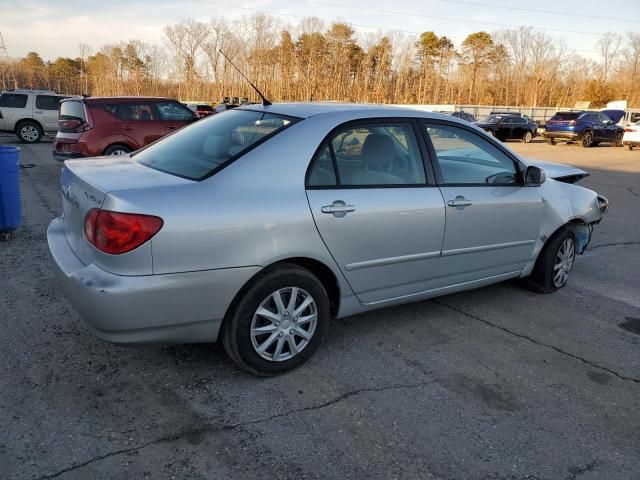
pixel 174 308
pixel 62 156
pixel 561 135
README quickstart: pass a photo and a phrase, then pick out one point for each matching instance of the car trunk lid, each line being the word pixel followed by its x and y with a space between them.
pixel 85 185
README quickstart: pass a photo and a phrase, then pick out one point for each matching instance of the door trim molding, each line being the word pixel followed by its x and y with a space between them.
pixel 484 248
pixel 379 262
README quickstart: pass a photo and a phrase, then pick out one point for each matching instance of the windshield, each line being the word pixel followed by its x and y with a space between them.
pixel 492 119
pixel 201 149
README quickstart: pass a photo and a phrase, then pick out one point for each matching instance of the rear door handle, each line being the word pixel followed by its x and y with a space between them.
pixel 338 208
pixel 460 202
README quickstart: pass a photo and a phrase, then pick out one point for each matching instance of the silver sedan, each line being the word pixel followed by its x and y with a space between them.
pixel 258 225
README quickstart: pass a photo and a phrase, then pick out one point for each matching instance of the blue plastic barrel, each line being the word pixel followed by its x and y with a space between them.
pixel 9 188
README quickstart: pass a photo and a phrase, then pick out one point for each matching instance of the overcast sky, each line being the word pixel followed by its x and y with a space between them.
pixel 55 28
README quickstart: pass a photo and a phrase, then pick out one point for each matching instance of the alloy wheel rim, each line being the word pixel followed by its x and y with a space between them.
pixel 284 324
pixel 587 139
pixel 564 262
pixel 527 137
pixel 118 152
pixel 29 133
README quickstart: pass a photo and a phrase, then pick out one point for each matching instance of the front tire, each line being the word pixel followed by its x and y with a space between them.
pixel 552 141
pixel 278 322
pixel 554 262
pixel 618 140
pixel 526 138
pixel 629 147
pixel 29 132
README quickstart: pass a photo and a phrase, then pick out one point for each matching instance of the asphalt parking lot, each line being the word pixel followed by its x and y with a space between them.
pixel 494 383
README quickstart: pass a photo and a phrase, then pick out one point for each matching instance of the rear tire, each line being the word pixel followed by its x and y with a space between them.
pixel 117 150
pixel 282 324
pixel 526 138
pixel 587 140
pixel 29 132
pixel 552 141
pixel 554 263
pixel 629 147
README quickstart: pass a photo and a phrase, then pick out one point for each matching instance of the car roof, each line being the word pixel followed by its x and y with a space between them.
pixel 310 109
pixel 122 99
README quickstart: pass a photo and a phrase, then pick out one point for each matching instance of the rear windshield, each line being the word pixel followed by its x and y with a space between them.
pixel 71 110
pixel 201 149
pixel 566 116
pixel 207 108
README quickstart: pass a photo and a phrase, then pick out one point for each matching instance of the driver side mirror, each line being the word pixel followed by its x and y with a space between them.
pixel 534 176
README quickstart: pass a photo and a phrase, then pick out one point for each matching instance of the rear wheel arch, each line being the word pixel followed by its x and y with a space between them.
pixel 322 272
pixel 116 144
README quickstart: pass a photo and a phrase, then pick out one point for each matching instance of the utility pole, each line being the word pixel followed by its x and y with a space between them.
pixel 4 55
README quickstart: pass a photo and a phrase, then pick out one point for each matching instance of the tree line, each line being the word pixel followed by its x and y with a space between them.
pixel 313 61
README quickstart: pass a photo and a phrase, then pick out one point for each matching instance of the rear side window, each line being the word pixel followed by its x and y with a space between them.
pixel 174 111
pixel 135 112
pixel 72 110
pixel 205 108
pixel 207 146
pixel 13 100
pixel 48 102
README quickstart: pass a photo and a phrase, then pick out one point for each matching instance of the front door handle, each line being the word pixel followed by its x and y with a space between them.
pixel 338 208
pixel 172 127
pixel 459 203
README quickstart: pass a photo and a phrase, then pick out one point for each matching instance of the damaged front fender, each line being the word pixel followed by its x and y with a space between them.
pixel 567 204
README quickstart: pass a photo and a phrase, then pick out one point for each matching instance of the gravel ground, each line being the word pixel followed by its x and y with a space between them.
pixel 494 383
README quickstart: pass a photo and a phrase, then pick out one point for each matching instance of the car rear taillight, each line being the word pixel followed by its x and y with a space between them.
pixel 116 233
pixel 629 130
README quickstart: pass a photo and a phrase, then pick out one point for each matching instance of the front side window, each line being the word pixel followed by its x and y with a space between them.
pixel 201 149
pixel 465 158
pixel 376 154
pixel 174 111
pixel 13 100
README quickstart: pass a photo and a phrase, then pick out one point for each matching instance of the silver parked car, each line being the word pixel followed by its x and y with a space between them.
pixel 258 225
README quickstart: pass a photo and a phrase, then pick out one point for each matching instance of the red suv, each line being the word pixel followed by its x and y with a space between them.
pixel 94 126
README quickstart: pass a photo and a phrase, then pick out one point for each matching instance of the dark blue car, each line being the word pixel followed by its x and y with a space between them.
pixel 586 128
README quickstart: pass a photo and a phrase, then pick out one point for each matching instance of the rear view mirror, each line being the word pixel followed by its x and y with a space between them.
pixel 534 176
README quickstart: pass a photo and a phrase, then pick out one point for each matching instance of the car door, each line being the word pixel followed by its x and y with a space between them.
pixel 519 127
pixel 140 122
pixel 46 111
pixel 173 116
pixel 380 218
pixel 609 128
pixel 492 219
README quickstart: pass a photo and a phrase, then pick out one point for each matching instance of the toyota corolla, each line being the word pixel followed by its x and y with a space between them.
pixel 257 226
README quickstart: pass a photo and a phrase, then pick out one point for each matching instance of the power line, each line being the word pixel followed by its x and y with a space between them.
pixel 449 19
pixel 534 10
pixel 375 27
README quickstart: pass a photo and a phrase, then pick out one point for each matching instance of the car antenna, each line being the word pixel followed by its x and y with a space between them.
pixel 265 102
